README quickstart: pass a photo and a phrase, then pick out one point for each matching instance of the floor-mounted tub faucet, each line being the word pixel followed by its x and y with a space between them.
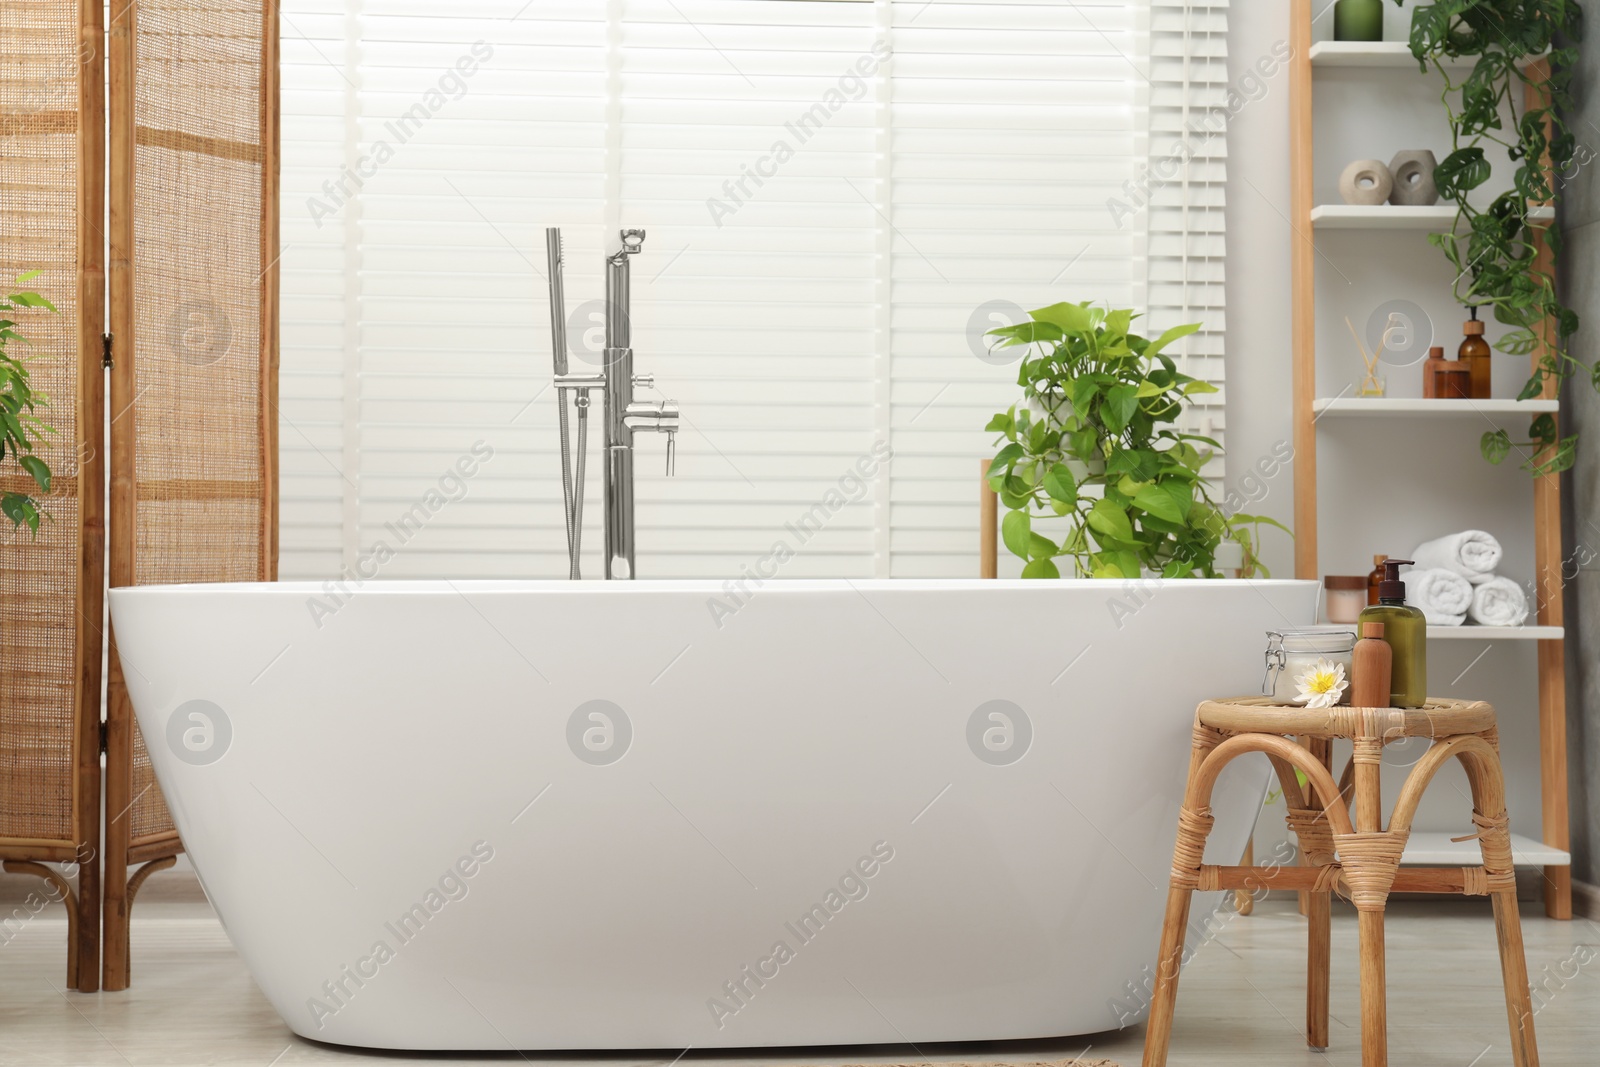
pixel 624 416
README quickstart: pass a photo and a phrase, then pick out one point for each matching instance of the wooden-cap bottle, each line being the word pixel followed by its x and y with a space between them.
pixel 1371 668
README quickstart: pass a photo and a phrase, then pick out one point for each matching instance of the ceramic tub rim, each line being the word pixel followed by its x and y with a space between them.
pixel 300 587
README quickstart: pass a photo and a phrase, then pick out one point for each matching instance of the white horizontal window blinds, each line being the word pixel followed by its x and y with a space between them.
pixel 416 329
pixel 747 150
pixel 829 233
pixel 497 128
pixel 1014 125
pixel 1183 184
pixel 318 288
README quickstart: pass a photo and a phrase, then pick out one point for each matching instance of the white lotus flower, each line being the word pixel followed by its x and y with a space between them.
pixel 1320 685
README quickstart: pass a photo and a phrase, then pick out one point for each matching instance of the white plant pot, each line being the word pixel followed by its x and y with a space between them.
pixel 1229 558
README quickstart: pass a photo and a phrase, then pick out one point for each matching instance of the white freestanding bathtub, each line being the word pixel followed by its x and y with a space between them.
pixel 545 815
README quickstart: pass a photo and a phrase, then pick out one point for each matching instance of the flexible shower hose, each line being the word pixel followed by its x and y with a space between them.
pixel 577 493
pixel 573 533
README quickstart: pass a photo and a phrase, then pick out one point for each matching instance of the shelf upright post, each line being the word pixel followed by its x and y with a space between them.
pixel 1548 561
pixel 1303 266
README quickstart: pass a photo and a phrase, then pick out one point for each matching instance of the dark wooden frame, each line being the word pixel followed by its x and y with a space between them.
pixel 30 856
pixel 159 850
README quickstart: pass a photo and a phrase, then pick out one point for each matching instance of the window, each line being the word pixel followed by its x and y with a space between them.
pixel 839 198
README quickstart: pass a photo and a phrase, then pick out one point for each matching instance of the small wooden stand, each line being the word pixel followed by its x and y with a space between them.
pixel 1359 858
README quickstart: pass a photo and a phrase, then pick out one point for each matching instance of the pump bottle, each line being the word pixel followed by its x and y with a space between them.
pixel 1405 629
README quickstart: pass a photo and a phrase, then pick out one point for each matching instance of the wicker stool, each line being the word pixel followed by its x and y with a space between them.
pixel 1359 859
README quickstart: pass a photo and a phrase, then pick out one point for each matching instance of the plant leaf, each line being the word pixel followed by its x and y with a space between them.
pixel 1158 502
pixel 38 468
pixel 1495 446
pixel 21 511
pixel 1170 336
pixel 1060 484
pixel 1006 458
pixel 1110 521
pixel 1070 318
pixel 1015 530
pixel 1120 404
pixel 1461 171
pixel 1040 568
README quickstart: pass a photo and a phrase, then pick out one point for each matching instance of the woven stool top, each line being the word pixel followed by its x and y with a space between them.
pixel 1440 717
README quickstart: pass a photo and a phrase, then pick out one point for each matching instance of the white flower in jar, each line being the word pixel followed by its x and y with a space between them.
pixel 1320 685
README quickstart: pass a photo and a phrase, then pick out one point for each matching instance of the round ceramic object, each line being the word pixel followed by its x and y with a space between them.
pixel 1366 181
pixel 1412 171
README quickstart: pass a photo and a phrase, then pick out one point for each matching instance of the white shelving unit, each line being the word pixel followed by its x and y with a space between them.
pixel 1355 71
pixel 1399 217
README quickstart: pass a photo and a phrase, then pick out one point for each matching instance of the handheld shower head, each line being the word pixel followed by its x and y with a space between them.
pixel 558 299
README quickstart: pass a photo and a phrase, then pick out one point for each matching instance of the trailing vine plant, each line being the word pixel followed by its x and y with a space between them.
pixel 1496 250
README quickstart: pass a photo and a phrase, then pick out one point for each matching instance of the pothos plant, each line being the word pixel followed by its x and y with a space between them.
pixel 20 427
pixel 1095 442
pixel 1495 251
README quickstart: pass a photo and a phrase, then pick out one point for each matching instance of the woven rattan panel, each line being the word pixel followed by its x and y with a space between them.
pixel 197 271
pixel 39 579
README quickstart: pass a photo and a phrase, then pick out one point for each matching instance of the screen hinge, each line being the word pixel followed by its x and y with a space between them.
pixel 105 351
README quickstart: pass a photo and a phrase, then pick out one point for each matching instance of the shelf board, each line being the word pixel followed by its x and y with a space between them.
pixel 1495 633
pixel 1405 407
pixel 1468 632
pixel 1393 55
pixel 1436 218
pixel 1436 849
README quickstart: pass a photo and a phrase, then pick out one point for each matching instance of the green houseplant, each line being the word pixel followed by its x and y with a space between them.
pixel 1494 250
pixel 1095 443
pixel 20 427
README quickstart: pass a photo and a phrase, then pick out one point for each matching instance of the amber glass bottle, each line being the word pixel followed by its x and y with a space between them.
pixel 1375 578
pixel 1474 352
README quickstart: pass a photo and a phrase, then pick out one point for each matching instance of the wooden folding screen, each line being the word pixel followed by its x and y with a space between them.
pixel 51 600
pixel 194 200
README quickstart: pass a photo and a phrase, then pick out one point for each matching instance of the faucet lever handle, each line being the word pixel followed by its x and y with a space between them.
pixel 672 451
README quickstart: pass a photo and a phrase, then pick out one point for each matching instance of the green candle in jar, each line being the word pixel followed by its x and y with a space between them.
pixel 1358 20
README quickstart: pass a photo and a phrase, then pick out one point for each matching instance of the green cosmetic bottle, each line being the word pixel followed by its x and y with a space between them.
pixel 1406 631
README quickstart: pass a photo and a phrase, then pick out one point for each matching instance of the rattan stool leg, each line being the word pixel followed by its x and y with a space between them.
pixel 1514 969
pixel 1243 902
pixel 1319 957
pixel 1169 962
pixel 1374 997
pixel 1487 779
pixel 1194 826
pixel 1319 921
pixel 1370 870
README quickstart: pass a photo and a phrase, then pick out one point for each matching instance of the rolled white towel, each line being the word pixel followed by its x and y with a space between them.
pixel 1498 602
pixel 1443 595
pixel 1472 554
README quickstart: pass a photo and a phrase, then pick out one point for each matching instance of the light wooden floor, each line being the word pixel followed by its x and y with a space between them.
pixel 1241 1003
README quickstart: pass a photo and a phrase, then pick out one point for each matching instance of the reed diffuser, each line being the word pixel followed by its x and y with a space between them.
pixel 1371 383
